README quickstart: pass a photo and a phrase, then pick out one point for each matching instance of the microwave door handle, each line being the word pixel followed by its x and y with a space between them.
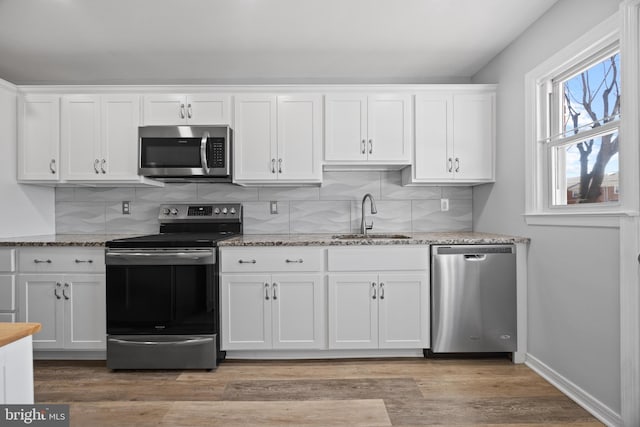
pixel 203 153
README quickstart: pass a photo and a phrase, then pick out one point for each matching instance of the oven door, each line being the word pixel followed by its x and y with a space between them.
pixel 184 151
pixel 161 291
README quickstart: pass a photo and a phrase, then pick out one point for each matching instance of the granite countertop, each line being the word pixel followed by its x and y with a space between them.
pixel 443 238
pixel 10 332
pixel 88 240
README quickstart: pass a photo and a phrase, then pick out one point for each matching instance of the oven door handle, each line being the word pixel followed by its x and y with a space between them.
pixel 203 153
pixel 189 341
pixel 160 257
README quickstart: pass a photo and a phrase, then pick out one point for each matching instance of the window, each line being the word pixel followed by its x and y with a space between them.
pixel 575 136
pixel 583 138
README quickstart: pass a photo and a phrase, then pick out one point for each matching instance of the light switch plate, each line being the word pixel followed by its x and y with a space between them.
pixel 444 205
pixel 273 206
pixel 126 208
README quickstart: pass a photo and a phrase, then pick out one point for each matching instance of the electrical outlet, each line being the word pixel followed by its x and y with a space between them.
pixel 444 205
pixel 126 208
pixel 273 205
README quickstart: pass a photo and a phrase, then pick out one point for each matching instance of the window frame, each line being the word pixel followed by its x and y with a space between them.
pixel 539 208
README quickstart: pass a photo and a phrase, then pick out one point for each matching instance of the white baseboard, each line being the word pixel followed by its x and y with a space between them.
pixel 598 409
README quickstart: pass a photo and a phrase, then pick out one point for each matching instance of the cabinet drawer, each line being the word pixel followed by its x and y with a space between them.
pixel 7 292
pixel 295 258
pixel 62 260
pixel 383 258
pixel 7 260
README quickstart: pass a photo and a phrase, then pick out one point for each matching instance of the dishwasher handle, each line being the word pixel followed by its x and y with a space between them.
pixel 473 250
pixel 475 257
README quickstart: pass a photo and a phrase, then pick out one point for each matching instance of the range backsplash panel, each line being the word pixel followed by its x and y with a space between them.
pixel 332 208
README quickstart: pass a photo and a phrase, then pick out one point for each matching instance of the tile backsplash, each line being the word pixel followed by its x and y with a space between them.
pixel 335 207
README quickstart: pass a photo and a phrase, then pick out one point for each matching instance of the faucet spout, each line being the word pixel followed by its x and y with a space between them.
pixel 363 224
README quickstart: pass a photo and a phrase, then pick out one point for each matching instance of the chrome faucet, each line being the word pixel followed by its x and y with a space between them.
pixel 363 224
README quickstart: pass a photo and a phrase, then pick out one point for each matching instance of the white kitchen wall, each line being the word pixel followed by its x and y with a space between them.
pixel 26 210
pixel 573 296
pixel 332 208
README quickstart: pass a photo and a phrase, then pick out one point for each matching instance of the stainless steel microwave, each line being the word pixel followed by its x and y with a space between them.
pixel 185 153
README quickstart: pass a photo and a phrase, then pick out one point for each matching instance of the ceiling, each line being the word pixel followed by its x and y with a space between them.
pixel 255 41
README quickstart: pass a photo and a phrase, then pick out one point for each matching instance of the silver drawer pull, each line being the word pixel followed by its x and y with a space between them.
pixel 55 290
pixel 275 289
pixel 266 291
pixel 40 261
pixel 64 293
pixel 80 261
pixel 295 261
pixel 373 286
pixel 381 290
pixel 244 261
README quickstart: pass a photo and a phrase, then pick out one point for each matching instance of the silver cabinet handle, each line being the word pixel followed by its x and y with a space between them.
pixel 295 261
pixel 275 288
pixel 203 153
pixel 381 290
pixel 363 146
pixel 450 160
pixel 64 293
pixel 52 166
pixel 457 164
pixel 102 163
pixel 266 291
pixel 189 111
pixel 273 165
pixel 55 290
pixel 182 111
pixel 371 146
pixel 244 261
pixel 40 261
pixel 96 162
pixel 373 286
pixel 279 165
pixel 80 261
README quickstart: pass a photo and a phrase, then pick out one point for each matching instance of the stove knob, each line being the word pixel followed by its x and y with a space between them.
pixel 233 211
pixel 165 211
pixel 174 211
pixel 224 211
pixel 216 211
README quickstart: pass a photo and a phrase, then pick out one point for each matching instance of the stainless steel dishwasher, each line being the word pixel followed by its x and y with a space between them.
pixel 473 298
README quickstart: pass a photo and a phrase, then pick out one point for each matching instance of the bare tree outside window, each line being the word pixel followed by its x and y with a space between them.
pixel 591 100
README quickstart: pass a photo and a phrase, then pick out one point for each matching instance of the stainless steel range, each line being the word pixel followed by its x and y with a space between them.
pixel 162 290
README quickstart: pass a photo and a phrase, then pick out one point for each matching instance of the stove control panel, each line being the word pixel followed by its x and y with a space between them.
pixel 201 212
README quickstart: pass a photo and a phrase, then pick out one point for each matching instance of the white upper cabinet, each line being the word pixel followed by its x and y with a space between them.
pixel 277 139
pixel 196 109
pixel 373 129
pixel 99 138
pixel 455 138
pixel 38 138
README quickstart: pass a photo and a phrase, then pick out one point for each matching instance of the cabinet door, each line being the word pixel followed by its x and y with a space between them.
pixel 299 138
pixel 353 311
pixel 433 142
pixel 245 312
pixel 404 310
pixel 473 136
pixel 255 149
pixel 208 109
pixel 345 127
pixel 38 138
pixel 168 109
pixel 389 128
pixel 297 311
pixel 85 312
pixel 120 121
pixel 80 135
pixel 40 301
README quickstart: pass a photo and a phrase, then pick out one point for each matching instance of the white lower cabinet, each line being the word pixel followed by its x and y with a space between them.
pixel 371 311
pixel 63 289
pixel 279 311
pixel 378 297
pixel 71 309
pixel 16 372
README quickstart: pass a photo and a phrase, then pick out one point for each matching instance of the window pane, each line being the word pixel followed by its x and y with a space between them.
pixel 587 172
pixel 592 97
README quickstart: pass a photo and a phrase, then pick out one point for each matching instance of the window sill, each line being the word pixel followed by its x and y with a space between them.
pixel 578 219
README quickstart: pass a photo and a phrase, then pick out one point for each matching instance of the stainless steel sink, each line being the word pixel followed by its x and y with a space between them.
pixel 370 236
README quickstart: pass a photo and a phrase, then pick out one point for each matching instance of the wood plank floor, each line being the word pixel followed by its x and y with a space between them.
pixel 379 392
